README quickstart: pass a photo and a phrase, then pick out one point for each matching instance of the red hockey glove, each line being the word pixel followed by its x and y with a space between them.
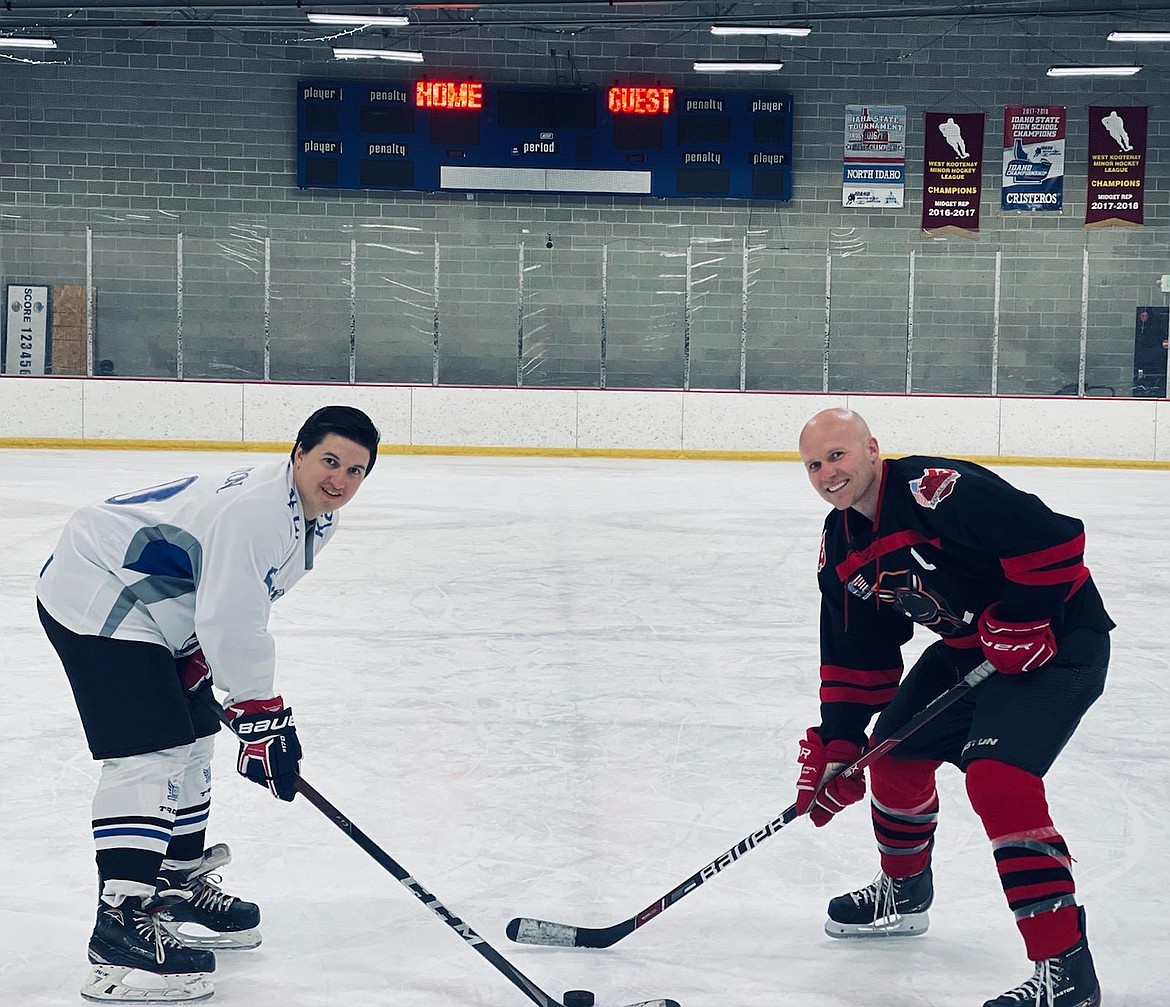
pixel 269 750
pixel 1015 647
pixel 194 671
pixel 817 790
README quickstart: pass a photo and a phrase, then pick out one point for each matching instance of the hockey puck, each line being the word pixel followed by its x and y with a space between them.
pixel 578 998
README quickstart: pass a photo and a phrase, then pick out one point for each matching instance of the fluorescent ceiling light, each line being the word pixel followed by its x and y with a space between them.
pixel 378 19
pixel 1139 36
pixel 17 42
pixel 748 29
pixel 1093 71
pixel 398 55
pixel 733 66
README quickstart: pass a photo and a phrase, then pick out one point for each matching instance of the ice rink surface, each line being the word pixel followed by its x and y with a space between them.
pixel 557 688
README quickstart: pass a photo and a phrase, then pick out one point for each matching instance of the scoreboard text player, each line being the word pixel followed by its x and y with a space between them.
pixel 436 135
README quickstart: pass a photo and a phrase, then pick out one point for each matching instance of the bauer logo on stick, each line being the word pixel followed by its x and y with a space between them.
pixel 933 486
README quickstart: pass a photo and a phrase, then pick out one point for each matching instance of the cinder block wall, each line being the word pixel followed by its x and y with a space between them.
pixel 148 133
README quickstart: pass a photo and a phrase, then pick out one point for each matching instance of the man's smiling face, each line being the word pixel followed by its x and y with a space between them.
pixel 328 475
pixel 842 460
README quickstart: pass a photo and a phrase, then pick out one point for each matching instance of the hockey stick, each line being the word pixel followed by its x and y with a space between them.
pixel 524 930
pixel 501 964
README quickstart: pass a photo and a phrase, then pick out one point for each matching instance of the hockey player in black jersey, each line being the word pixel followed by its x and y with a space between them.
pixel 1000 577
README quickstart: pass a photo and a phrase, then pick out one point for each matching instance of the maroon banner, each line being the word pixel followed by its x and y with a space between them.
pixel 1117 166
pixel 952 179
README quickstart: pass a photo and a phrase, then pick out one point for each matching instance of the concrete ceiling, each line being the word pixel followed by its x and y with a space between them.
pixel 16 15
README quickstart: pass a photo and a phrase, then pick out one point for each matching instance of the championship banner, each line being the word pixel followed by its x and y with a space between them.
pixel 875 156
pixel 26 330
pixel 1033 157
pixel 952 177
pixel 1117 166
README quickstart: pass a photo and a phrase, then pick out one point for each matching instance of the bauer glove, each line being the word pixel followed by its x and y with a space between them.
pixel 1015 647
pixel 817 790
pixel 270 753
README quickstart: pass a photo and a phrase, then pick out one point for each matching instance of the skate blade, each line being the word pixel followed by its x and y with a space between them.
pixel 910 925
pixel 201 937
pixel 125 985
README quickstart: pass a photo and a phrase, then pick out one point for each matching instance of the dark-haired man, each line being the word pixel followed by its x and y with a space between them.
pixel 146 593
pixel 998 576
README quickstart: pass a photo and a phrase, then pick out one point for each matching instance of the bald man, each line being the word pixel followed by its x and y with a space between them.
pixel 998 576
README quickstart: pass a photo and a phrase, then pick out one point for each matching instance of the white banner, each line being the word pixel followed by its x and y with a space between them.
pixel 874 172
pixel 26 332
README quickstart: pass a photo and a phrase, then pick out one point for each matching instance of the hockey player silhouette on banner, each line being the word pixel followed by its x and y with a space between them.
pixel 953 134
pixel 1115 124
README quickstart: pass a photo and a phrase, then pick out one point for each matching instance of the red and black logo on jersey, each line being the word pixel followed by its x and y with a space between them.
pixel 933 486
pixel 905 592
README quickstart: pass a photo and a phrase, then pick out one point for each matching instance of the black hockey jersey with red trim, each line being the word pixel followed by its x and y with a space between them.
pixel 948 539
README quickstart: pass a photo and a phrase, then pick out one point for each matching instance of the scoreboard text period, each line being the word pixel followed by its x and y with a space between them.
pixel 437 135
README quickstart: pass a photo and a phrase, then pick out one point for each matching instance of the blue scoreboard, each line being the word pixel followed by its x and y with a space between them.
pixel 470 136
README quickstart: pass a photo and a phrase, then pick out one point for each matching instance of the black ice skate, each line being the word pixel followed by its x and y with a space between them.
pixel 135 960
pixel 1068 980
pixel 889 907
pixel 206 916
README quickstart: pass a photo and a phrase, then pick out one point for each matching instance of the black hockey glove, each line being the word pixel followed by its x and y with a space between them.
pixel 270 753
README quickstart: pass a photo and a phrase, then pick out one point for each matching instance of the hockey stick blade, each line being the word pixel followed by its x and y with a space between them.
pixel 655 1003
pixel 524 930
pixel 427 898
pixel 529 931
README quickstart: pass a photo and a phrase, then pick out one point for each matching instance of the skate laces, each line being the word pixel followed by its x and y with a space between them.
pixel 881 893
pixel 1038 990
pixel 150 928
pixel 209 896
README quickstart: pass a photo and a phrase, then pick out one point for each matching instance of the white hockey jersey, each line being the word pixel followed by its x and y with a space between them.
pixel 195 562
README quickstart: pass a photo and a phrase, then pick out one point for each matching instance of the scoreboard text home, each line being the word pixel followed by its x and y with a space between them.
pixel 470 136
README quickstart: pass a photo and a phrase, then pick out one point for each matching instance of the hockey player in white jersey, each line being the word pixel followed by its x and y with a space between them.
pixel 147 596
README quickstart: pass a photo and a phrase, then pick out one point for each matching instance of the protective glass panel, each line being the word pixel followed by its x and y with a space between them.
pixel 1129 317
pixel 395 339
pixel 715 313
pixel 56 261
pixel 785 319
pixel 223 308
pixel 310 327
pixel 954 318
pixel 136 305
pixel 646 294
pixel 1040 315
pixel 478 314
pixel 868 310
pixel 561 317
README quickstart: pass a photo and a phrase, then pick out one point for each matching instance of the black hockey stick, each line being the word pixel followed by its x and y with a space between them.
pixel 524 930
pixel 501 964
pixel 517 978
